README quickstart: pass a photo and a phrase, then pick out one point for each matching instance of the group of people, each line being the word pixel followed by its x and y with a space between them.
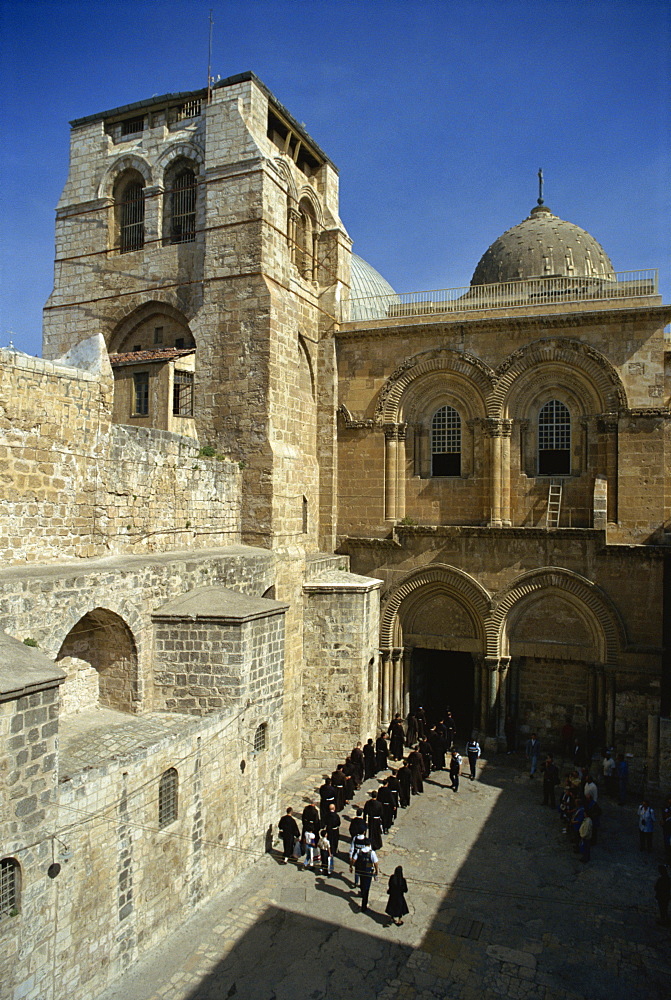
pixel 315 844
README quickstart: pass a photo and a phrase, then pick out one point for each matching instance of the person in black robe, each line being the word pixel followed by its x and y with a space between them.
pixel 416 765
pixel 310 821
pixel 397 907
pixel 427 755
pixel 437 749
pixel 420 715
pixel 373 814
pixel 411 730
pixel 451 727
pixel 332 825
pixel 370 763
pixel 339 783
pixel 385 797
pixel 381 752
pixel 289 833
pixel 350 784
pixel 356 757
pixel 397 737
pixel 394 788
pixel 404 779
pixel 327 795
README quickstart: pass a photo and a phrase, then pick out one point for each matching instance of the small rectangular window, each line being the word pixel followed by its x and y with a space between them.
pixel 158 334
pixel 132 125
pixel 141 387
pixel 9 887
pixel 167 798
pixel 260 741
pixel 182 397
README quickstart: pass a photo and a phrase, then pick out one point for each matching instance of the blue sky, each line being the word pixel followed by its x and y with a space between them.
pixel 438 115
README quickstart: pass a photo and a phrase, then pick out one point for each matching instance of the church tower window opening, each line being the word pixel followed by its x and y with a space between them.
pixel 261 738
pixel 167 798
pixel 182 394
pixel 554 439
pixel 183 208
pixel 446 442
pixel 129 203
pixel 141 393
pixel 10 872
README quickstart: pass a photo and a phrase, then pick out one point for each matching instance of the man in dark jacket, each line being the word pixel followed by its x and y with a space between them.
pixel 550 781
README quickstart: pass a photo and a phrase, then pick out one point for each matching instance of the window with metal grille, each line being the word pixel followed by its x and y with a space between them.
pixel 10 872
pixel 260 742
pixel 182 394
pixel 446 442
pixel 183 221
pixel 141 393
pixel 167 798
pixel 189 110
pixel 132 125
pixel 131 217
pixel 554 439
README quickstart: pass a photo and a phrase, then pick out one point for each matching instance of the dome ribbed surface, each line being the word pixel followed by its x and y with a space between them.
pixel 543 246
pixel 370 294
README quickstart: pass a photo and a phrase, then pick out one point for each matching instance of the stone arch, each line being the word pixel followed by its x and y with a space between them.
pixel 130 161
pixel 285 173
pixel 590 602
pixel 188 151
pixel 399 391
pixel 307 374
pixel 138 316
pixel 455 583
pixel 579 363
pixel 103 639
pixel 306 194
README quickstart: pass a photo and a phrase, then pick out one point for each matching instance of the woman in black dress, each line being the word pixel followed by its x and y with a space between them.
pixel 397 907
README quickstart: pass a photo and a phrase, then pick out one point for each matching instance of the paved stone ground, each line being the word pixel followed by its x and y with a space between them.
pixel 500 907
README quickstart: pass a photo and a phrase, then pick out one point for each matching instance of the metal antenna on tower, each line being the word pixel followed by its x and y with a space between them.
pixel 209 62
pixel 540 185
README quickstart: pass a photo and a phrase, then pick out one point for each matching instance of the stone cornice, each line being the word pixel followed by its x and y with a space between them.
pixel 535 322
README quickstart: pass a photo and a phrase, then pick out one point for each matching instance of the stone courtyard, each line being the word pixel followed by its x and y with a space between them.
pixel 499 906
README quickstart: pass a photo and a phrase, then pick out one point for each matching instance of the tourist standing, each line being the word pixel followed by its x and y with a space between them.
pixel 473 752
pixel 533 750
pixel 455 771
pixel 646 825
pixel 550 781
pixel 365 866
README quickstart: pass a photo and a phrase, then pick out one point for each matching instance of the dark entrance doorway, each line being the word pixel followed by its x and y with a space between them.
pixel 442 680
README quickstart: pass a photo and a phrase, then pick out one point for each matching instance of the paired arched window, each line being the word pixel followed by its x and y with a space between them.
pixel 446 442
pixel 181 207
pixel 554 439
pixel 306 232
pixel 10 887
pixel 129 211
pixel 167 798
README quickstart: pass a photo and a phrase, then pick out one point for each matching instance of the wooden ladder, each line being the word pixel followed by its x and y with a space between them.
pixel 554 504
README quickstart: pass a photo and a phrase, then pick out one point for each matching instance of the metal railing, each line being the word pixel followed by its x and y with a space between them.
pixel 525 292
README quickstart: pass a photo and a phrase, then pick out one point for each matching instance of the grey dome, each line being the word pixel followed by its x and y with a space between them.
pixel 370 294
pixel 543 246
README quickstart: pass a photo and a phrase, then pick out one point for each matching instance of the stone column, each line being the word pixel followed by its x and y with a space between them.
pixel 407 667
pixel 506 431
pixel 400 471
pixel 493 429
pixel 502 700
pixel 397 682
pixel 610 708
pixel 386 687
pixel 491 691
pixel 599 729
pixel 292 228
pixel 390 470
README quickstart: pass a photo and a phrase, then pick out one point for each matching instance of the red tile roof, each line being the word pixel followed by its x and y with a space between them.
pixel 144 357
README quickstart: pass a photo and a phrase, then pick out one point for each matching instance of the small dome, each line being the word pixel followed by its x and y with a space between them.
pixel 370 294
pixel 543 246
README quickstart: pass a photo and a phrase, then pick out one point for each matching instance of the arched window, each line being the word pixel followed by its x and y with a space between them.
pixel 306 230
pixel 10 887
pixel 182 200
pixel 554 440
pixel 167 798
pixel 446 442
pixel 129 206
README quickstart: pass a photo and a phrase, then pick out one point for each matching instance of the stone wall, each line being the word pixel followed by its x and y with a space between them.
pixel 28 799
pixel 340 674
pixel 77 485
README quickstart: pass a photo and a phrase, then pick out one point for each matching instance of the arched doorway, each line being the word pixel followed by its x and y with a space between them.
pixel 435 623
pixel 103 640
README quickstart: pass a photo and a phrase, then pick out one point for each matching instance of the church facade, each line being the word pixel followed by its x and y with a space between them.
pixel 257 501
